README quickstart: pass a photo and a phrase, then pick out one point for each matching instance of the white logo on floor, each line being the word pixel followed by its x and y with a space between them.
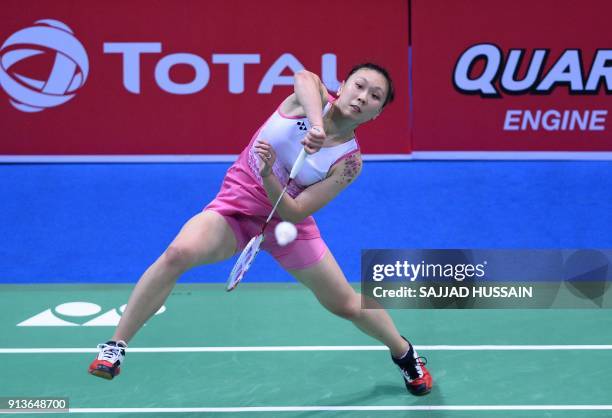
pixel 72 314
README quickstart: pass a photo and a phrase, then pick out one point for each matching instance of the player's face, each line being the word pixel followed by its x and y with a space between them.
pixel 363 94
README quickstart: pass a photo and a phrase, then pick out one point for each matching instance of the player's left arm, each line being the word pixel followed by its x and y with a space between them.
pixel 320 194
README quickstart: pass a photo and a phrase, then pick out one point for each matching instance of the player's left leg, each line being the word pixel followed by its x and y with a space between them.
pixel 328 283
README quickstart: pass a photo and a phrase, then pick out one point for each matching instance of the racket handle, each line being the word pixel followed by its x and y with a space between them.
pixel 297 166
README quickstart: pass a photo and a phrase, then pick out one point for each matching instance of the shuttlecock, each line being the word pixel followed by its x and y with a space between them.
pixel 285 232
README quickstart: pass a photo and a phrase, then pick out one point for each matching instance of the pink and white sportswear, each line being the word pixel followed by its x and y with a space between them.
pixel 243 201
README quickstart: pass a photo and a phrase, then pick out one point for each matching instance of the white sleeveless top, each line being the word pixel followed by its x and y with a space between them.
pixel 285 133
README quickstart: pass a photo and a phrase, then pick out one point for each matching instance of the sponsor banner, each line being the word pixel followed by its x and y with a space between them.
pixel 528 76
pixel 199 78
pixel 486 279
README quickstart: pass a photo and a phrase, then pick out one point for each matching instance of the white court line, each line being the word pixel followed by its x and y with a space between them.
pixel 308 348
pixel 351 408
pixel 328 408
pixel 340 408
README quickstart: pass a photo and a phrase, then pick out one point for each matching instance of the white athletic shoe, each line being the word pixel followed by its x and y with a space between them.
pixel 111 355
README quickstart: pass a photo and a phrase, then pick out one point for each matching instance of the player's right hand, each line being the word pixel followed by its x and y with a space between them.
pixel 313 141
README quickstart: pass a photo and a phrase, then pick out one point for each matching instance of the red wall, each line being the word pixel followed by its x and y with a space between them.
pixel 105 118
pixel 458 104
pixel 448 119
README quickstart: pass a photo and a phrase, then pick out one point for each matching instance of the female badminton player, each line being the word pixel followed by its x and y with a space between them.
pixel 324 126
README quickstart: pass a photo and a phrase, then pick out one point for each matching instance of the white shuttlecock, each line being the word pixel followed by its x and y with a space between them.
pixel 285 233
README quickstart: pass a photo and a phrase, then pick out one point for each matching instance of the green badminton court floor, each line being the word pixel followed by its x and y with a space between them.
pixel 269 350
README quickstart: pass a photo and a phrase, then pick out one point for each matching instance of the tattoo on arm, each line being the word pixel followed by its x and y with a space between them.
pixel 350 171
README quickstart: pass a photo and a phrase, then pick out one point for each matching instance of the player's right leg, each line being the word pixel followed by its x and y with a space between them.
pixel 206 238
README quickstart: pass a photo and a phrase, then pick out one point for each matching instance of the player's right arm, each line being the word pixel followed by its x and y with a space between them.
pixel 308 99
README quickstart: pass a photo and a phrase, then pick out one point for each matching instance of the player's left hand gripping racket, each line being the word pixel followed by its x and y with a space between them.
pixel 252 248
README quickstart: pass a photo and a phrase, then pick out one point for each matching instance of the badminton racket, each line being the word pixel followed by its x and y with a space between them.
pixel 251 250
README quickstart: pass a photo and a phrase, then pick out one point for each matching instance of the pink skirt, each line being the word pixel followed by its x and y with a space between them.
pixel 244 204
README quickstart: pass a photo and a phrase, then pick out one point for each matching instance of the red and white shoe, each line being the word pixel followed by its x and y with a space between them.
pixel 416 377
pixel 110 357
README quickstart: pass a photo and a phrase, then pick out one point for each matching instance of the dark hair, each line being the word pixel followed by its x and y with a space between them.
pixel 383 72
